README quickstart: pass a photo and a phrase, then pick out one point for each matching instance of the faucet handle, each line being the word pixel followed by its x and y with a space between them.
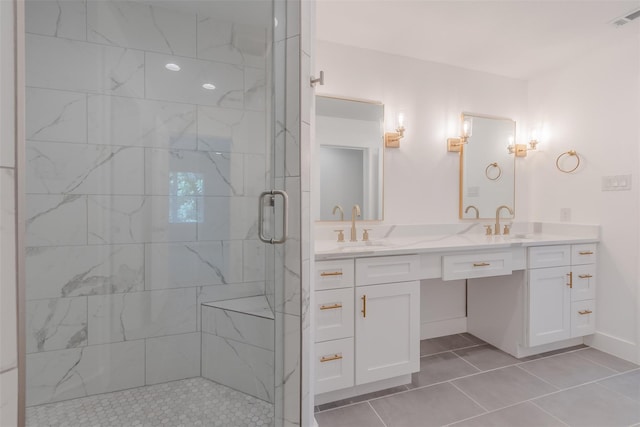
pixel 340 235
pixel 489 232
pixel 365 234
pixel 507 228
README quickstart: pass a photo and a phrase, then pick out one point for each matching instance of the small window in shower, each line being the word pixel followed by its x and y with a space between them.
pixel 185 188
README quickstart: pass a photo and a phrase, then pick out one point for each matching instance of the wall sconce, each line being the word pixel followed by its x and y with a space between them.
pixel 520 150
pixel 455 144
pixel 392 139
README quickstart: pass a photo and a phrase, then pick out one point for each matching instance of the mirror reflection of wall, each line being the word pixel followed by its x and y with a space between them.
pixel 349 136
pixel 487 178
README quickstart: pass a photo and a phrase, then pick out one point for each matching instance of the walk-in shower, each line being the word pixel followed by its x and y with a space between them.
pixel 152 128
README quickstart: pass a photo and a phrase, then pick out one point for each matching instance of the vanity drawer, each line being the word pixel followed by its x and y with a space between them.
pixel 334 274
pixel 334 314
pixel 583 318
pixel 549 256
pixel 334 365
pixel 468 266
pixel 583 282
pixel 583 254
pixel 388 269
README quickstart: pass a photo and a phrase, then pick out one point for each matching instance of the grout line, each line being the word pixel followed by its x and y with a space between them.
pixel 376 412
pixel 452 350
pixel 546 412
pixel 472 399
pixel 597 363
pixel 615 392
pixel 540 378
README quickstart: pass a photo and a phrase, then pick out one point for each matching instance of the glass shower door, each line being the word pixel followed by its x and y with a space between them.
pixel 150 138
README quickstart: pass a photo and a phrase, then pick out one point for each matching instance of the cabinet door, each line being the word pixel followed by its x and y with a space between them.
pixel 387 331
pixel 549 305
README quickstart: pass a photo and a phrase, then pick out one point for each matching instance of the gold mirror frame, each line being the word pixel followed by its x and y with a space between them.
pixel 488 145
pixel 354 118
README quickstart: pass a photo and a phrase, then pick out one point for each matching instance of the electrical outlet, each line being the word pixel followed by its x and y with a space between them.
pixel 565 214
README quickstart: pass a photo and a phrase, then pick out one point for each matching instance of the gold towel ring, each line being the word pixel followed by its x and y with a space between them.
pixel 568 153
pixel 493 165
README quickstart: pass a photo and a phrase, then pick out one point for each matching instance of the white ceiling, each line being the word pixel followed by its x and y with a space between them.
pixel 512 38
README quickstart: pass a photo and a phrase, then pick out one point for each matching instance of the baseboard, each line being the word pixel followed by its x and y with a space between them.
pixel 346 393
pixel 613 345
pixel 443 327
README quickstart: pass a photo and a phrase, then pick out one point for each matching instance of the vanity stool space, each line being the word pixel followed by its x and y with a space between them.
pixel 367 325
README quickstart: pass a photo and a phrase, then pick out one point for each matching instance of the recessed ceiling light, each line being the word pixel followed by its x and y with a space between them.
pixel 209 86
pixel 172 67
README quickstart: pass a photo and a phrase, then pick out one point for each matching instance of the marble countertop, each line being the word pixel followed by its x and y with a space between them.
pixel 326 249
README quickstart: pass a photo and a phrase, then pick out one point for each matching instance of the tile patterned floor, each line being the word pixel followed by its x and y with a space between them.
pixel 191 402
pixel 464 382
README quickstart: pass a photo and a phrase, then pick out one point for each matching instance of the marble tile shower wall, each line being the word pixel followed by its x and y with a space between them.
pixel 141 189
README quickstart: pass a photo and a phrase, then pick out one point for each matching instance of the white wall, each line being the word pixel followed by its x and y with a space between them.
pixel 8 319
pixel 421 177
pixel 592 105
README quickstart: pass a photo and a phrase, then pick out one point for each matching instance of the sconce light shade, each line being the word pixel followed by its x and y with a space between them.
pixel 392 139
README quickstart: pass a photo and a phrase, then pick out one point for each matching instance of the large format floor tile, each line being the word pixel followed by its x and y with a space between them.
pixel 359 415
pixel 503 387
pixel 441 367
pixel 607 360
pixel 430 406
pixel 522 415
pixel 486 357
pixel 447 343
pixel 567 370
pixel 591 405
pixel 627 384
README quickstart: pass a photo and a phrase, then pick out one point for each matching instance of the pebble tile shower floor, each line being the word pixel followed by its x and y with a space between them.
pixel 191 402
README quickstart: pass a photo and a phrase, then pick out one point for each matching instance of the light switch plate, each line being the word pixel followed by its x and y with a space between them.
pixel 616 183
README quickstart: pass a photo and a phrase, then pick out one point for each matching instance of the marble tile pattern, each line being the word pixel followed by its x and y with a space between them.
pixel 142 189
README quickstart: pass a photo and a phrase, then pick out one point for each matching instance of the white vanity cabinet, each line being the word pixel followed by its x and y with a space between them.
pixel 368 332
pixel 333 310
pixel 387 326
pixel 561 292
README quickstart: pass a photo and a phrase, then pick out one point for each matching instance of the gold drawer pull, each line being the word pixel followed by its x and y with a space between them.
pixel 364 306
pixel 583 312
pixel 586 252
pixel 570 284
pixel 330 358
pixel 481 264
pixel 330 307
pixel 331 273
pixel 585 276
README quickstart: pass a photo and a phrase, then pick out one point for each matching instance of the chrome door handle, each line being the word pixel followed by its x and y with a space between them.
pixel 285 216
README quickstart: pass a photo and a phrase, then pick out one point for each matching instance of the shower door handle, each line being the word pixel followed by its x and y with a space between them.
pixel 271 195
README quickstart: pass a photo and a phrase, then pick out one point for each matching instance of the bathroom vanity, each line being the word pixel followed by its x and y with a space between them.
pixel 526 294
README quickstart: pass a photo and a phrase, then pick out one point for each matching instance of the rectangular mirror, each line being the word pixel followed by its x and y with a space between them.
pixel 487 169
pixel 349 140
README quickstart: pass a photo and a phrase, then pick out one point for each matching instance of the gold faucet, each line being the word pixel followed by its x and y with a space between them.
pixel 355 211
pixel 338 208
pixel 473 207
pixel 497 228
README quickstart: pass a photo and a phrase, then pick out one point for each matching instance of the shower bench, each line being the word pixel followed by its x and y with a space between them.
pixel 238 345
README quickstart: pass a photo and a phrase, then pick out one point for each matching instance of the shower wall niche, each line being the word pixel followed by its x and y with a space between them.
pixel 141 186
